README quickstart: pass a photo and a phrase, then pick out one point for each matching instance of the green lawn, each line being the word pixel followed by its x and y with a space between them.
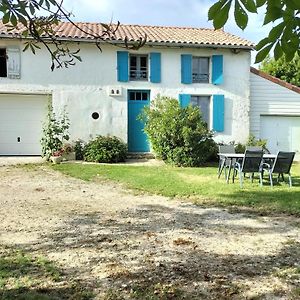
pixel 199 185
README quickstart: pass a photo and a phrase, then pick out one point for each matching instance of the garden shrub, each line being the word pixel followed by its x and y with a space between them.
pixel 252 141
pixel 106 149
pixel 178 135
pixel 78 148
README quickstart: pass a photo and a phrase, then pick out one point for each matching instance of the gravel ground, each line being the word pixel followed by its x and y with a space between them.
pixel 111 239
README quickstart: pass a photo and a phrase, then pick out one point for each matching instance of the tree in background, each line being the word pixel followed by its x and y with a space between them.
pixel 284 37
pixel 286 70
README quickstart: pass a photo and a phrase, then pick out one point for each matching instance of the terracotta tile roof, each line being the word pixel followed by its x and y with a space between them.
pixel 278 81
pixel 176 36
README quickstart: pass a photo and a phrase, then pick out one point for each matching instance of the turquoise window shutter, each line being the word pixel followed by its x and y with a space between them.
pixel 218 113
pixel 155 67
pixel 184 100
pixel 122 65
pixel 217 69
pixel 186 68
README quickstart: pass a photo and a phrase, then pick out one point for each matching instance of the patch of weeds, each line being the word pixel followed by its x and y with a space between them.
pixel 113 295
pixel 157 291
pixel 290 242
pixel 295 293
pixel 25 277
pixel 291 273
pixel 49 268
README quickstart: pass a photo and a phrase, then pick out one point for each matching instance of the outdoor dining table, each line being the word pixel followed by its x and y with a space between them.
pixel 232 156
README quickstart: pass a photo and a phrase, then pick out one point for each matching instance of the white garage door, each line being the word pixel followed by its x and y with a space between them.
pixel 21 118
pixel 282 133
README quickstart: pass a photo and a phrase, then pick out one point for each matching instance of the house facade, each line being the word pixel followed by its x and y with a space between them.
pixel 105 93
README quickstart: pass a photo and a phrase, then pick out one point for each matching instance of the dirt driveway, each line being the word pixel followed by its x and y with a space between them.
pixel 121 245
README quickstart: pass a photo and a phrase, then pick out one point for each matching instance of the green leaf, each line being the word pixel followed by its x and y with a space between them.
pixel 263 53
pixel 13 20
pixel 26 47
pixel 276 31
pixel 290 55
pixel 215 9
pixel 250 5
pixel 273 13
pixel 222 17
pixel 77 57
pixel 32 9
pixel 260 3
pixel 278 51
pixel 262 43
pixel 22 19
pixel 32 48
pixel 240 15
pixel 293 4
pixel 5 18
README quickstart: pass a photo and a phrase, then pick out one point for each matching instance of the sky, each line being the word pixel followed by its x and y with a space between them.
pixel 191 13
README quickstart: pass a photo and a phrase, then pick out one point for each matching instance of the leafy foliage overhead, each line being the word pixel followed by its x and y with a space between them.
pixel 284 37
pixel 282 69
pixel 37 19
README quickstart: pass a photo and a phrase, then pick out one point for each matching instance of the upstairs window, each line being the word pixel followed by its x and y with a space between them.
pixel 3 63
pixel 203 102
pixel 138 67
pixel 200 69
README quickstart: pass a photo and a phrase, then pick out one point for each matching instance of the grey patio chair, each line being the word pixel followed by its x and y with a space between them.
pixel 258 148
pixel 251 163
pixel 223 162
pixel 281 165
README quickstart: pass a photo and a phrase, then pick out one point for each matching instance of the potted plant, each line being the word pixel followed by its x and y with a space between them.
pixel 57 157
pixel 68 152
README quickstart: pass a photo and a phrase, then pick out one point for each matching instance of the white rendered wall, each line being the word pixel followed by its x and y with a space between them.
pixel 83 88
pixel 269 98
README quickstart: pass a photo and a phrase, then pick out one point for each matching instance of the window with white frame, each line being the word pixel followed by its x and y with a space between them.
pixel 138 67
pixel 200 69
pixel 10 64
pixel 204 103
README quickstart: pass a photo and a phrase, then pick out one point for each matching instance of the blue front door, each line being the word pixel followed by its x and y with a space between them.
pixel 137 139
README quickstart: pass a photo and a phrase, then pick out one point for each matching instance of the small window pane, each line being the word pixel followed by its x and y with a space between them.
pixel 132 61
pixel 203 102
pixel 143 61
pixel 145 96
pixel 131 95
pixel 138 96
pixel 200 69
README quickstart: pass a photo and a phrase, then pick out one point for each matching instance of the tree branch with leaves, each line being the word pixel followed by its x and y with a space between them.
pixel 283 38
pixel 37 22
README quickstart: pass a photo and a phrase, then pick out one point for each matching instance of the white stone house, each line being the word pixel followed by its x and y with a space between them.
pixel 105 93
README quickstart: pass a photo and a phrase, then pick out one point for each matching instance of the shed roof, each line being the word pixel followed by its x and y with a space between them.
pixel 273 79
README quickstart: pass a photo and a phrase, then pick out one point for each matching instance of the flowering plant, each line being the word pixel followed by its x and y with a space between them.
pixel 58 152
pixel 67 148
